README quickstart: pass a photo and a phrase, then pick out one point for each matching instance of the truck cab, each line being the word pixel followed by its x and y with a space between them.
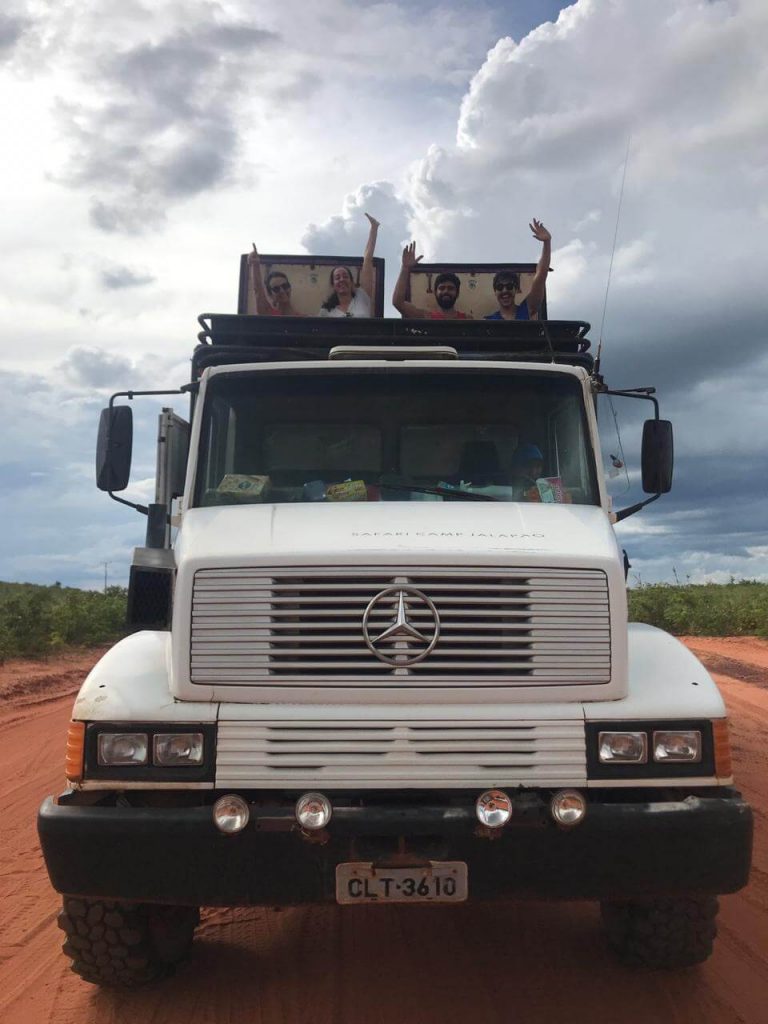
pixel 381 654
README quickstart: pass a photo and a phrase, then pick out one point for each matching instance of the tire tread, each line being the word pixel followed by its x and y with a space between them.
pixel 666 934
pixel 125 944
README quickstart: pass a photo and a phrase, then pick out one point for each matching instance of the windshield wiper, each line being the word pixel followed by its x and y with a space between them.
pixel 443 492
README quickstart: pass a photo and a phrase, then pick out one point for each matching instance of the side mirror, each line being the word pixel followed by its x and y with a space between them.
pixel 114 448
pixel 657 456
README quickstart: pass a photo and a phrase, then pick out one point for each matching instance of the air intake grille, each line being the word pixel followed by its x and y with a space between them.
pixel 529 627
pixel 389 754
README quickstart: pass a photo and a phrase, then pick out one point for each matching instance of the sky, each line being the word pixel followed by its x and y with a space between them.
pixel 147 146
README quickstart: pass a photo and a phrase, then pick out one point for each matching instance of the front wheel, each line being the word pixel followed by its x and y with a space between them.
pixel 125 944
pixel 661 933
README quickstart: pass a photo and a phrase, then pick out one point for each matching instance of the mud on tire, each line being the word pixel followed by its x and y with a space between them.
pixel 661 933
pixel 125 944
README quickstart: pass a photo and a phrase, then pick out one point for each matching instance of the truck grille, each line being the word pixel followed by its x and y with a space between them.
pixel 531 627
pixel 387 754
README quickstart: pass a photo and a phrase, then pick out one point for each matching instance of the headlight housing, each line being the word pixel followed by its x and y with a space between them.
pixel 123 748
pixel 629 751
pixel 154 752
pixel 177 748
pixel 623 747
pixel 683 745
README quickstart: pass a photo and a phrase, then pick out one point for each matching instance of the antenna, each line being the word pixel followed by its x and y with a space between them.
pixel 621 456
pixel 613 250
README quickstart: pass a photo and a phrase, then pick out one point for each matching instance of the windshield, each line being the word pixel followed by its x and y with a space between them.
pixel 397 434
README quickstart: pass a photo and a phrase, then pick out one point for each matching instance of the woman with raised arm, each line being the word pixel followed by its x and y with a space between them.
pixel 345 299
pixel 274 298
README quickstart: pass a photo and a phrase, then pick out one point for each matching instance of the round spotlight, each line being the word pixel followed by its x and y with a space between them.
pixel 313 811
pixel 230 814
pixel 568 807
pixel 493 808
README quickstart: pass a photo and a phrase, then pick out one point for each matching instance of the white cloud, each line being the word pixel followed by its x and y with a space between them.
pixel 573 265
pixel 590 217
pixel 633 263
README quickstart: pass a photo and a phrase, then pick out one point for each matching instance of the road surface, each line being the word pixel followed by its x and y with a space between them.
pixel 373 965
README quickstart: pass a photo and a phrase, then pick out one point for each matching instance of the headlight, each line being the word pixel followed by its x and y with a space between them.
pixel 493 808
pixel 623 747
pixel 177 748
pixel 677 746
pixel 123 748
pixel 568 807
pixel 313 811
pixel 135 753
pixel 230 814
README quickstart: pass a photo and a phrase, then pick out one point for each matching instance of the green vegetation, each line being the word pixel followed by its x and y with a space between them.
pixel 706 609
pixel 35 621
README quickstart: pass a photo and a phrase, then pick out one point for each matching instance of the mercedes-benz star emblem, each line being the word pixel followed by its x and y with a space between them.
pixel 415 644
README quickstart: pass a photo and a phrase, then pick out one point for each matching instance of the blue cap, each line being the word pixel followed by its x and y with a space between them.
pixel 528 453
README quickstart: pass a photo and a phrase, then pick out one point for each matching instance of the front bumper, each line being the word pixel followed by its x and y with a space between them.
pixel 695 846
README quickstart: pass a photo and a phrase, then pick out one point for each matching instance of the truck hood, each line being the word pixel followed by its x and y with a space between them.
pixel 386 532
pixel 224 635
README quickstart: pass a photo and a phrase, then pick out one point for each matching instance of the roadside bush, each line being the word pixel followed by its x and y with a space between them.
pixel 707 609
pixel 35 620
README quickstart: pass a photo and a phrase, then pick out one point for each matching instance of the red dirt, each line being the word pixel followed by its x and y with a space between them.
pixel 328 965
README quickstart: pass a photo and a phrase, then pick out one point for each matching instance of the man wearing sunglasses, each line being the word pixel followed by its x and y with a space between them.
pixel 274 299
pixel 506 284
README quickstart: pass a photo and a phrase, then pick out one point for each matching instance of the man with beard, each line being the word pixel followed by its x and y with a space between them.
pixel 446 292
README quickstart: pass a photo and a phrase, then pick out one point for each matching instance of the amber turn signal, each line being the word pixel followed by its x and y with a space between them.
pixel 73 762
pixel 723 766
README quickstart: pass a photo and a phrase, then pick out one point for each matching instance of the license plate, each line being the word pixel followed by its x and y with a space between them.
pixel 438 882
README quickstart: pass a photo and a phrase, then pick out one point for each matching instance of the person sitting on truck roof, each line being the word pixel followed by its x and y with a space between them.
pixel 506 284
pixel 345 299
pixel 446 288
pixel 275 298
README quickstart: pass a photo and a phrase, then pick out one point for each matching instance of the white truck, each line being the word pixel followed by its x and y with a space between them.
pixel 386 657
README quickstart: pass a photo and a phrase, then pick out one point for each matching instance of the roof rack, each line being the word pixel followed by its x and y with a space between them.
pixel 233 338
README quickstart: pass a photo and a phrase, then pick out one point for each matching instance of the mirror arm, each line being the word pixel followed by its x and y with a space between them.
pixel 630 511
pixel 131 504
pixel 646 393
pixel 130 395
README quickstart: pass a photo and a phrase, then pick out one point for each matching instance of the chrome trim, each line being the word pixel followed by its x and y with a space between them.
pixel 401 631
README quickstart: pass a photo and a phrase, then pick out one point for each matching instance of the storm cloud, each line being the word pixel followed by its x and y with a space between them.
pixel 160 124
pixel 12 28
pixel 117 277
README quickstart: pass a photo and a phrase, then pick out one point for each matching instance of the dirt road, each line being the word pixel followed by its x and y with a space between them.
pixel 384 965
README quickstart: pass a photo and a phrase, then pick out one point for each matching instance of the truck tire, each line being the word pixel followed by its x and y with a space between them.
pixel 661 933
pixel 124 945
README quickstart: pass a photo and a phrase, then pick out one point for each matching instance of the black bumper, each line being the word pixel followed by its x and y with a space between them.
pixel 694 846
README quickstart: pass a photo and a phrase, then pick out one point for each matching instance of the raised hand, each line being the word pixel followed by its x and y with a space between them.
pixel 254 260
pixel 410 259
pixel 374 223
pixel 539 231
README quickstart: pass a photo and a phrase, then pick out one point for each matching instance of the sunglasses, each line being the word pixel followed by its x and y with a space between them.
pixel 506 286
pixel 279 287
